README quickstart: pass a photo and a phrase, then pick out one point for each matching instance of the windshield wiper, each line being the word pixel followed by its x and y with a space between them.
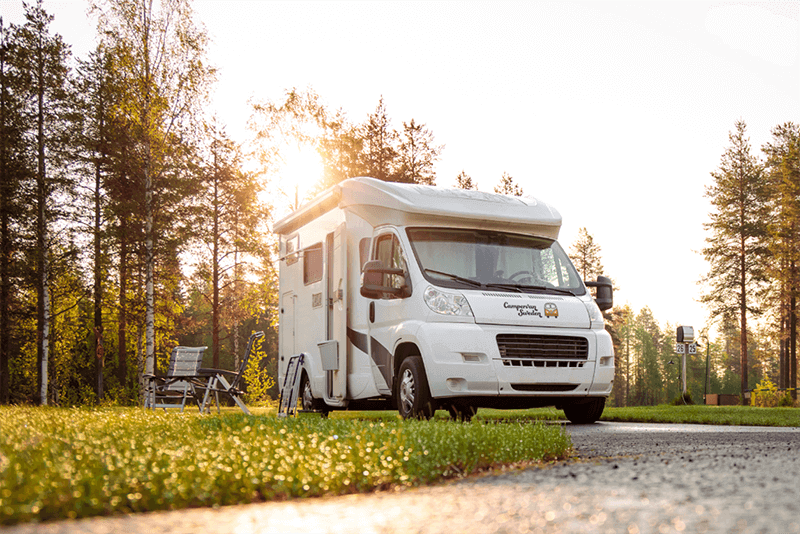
pixel 545 288
pixel 452 276
pixel 513 287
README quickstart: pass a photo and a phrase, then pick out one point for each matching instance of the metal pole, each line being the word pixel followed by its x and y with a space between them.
pixel 705 386
pixel 683 368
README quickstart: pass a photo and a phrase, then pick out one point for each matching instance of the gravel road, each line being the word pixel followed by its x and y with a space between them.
pixel 628 478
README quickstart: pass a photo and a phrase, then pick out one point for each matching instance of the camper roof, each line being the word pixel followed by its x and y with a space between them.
pixel 394 203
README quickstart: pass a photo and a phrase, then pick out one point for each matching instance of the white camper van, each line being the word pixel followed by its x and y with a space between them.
pixel 421 297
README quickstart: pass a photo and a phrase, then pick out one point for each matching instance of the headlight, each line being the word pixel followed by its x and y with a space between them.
pixel 447 303
pixel 595 315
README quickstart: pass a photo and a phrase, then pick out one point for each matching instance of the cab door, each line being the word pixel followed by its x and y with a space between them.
pixel 386 313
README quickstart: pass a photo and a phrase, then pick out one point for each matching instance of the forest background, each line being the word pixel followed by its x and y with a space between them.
pixel 130 222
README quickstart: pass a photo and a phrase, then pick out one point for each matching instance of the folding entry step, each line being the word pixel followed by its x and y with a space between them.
pixel 291 386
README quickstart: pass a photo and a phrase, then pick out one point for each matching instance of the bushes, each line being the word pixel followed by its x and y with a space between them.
pixel 767 395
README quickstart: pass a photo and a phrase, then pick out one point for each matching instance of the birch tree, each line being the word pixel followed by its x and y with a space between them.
pixel 161 52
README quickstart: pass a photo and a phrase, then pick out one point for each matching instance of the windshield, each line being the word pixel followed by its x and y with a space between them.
pixel 452 257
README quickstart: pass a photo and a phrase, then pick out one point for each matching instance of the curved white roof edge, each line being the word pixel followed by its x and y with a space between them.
pixel 425 200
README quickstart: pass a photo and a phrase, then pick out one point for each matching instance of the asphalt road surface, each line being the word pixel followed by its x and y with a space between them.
pixel 628 478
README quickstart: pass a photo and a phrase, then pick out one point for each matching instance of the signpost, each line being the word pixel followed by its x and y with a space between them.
pixel 684 346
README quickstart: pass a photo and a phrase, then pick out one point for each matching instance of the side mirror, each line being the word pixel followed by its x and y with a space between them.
pixel 605 292
pixel 372 281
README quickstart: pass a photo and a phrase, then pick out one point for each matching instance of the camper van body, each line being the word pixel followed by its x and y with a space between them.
pixel 381 288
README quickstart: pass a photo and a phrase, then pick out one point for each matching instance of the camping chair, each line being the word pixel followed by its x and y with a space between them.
pixel 172 390
pixel 218 383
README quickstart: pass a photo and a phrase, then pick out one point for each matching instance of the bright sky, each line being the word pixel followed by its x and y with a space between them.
pixel 615 113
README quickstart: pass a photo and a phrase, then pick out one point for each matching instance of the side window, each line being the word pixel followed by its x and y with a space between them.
pixel 390 253
pixel 312 264
pixel 363 251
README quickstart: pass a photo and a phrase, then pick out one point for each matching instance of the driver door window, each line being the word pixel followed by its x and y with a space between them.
pixel 390 254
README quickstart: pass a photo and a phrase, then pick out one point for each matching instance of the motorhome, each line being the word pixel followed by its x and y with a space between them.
pixel 423 298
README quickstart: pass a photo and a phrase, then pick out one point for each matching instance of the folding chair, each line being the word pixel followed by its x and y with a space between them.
pixel 218 383
pixel 173 390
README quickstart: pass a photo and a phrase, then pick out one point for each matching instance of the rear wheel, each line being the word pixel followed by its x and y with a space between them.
pixel 307 400
pixel 412 395
pixel 585 412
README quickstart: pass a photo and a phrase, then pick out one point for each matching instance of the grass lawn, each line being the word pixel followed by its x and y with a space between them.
pixel 67 463
pixel 707 415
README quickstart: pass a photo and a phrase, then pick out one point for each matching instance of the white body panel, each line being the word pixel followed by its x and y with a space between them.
pixel 462 356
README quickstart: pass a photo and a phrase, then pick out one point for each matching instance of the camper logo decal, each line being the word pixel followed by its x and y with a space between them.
pixel 550 310
pixel 523 309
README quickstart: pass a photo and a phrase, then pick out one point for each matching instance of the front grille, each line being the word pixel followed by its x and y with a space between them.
pixel 542 347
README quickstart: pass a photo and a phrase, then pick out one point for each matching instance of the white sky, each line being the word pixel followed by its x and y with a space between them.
pixel 615 113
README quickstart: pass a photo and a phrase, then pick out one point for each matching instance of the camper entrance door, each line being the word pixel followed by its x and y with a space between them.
pixel 335 361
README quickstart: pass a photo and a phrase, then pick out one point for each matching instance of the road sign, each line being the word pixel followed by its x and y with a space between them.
pixel 692 348
pixel 680 348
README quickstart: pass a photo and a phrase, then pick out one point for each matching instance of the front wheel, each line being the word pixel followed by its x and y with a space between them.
pixel 586 412
pixel 460 411
pixel 412 395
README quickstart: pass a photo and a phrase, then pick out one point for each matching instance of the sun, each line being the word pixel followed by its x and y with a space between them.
pixel 301 171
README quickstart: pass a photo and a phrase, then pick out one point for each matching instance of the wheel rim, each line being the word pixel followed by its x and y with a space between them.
pixel 308 399
pixel 407 391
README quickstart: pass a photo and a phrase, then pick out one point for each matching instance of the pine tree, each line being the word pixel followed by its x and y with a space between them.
pixel 230 216
pixel 14 171
pixel 379 155
pixel 43 62
pixel 507 186
pixel 736 249
pixel 417 155
pixel 585 255
pixel 783 171
pixel 465 181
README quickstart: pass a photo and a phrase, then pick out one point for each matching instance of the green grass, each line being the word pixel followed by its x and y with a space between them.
pixel 708 415
pixel 67 463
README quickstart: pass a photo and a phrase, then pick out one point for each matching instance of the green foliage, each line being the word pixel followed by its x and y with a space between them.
pixel 786 401
pixel 259 382
pixel 59 463
pixel 765 394
pixel 683 400
pixel 507 186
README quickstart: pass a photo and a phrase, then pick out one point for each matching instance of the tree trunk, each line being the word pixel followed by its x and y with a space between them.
pixel 42 266
pixel 793 338
pixel 122 321
pixel 215 271
pixel 99 349
pixel 5 230
pixel 743 313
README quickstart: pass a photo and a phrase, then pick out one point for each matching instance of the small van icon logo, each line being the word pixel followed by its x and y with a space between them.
pixel 550 310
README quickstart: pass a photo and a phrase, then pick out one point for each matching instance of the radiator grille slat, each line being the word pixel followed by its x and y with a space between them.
pixel 542 347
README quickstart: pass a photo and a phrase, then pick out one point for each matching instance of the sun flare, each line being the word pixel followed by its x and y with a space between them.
pixel 300 173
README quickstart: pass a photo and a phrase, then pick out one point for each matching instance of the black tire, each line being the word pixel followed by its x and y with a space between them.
pixel 460 411
pixel 585 412
pixel 412 395
pixel 306 398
